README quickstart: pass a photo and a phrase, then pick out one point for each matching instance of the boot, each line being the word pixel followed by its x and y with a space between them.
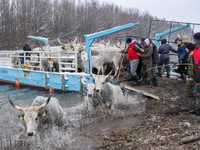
pixel 134 81
pixel 130 77
pixel 160 73
pixel 154 81
pixel 150 85
pixel 183 77
pixel 144 81
pixel 141 79
pixel 168 74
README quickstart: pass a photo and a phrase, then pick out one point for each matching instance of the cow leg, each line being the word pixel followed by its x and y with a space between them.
pixel 98 72
pixel 116 65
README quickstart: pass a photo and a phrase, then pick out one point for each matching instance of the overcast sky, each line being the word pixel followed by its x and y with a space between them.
pixel 171 10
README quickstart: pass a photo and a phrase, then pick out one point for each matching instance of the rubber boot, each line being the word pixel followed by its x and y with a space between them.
pixel 154 81
pixel 134 81
pixel 183 77
pixel 130 77
pixel 168 74
pixel 144 81
pixel 160 73
pixel 141 79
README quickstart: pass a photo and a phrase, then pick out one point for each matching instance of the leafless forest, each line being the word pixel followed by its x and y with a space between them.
pixel 65 19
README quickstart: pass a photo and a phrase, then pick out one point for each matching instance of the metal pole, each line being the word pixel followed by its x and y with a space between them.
pixel 170 32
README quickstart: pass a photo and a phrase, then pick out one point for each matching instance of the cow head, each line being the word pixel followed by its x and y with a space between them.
pixel 31 115
pixel 100 81
pixel 89 88
pixel 50 63
pixel 68 46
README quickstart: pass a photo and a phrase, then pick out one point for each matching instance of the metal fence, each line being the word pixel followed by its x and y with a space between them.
pixel 32 60
pixel 173 28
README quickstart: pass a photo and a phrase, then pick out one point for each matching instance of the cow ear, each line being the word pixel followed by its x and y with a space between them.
pixel 21 117
pixel 85 88
pixel 43 113
pixel 93 80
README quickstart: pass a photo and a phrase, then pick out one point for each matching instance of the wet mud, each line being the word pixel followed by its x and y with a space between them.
pixel 163 124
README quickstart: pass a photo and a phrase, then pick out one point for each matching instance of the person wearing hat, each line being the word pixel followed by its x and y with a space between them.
pixel 190 100
pixel 164 50
pixel 146 61
pixel 133 59
pixel 196 92
pixel 186 40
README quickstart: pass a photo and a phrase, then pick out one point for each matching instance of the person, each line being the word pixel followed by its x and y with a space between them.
pixel 133 59
pixel 164 50
pixel 155 60
pixel 185 39
pixel 196 92
pixel 146 61
pixel 182 58
pixel 26 47
pixel 190 101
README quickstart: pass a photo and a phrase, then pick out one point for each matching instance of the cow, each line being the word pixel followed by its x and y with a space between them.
pixel 97 62
pixel 41 115
pixel 68 46
pixel 89 99
pixel 110 55
pixel 47 64
pixel 109 94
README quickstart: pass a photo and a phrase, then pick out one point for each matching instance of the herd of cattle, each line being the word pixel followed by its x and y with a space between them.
pixel 43 113
pixel 104 55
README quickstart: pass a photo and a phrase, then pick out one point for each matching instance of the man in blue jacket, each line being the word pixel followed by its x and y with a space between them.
pixel 182 58
pixel 164 50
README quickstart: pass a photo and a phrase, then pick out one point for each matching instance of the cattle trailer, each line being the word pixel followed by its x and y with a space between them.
pixel 66 78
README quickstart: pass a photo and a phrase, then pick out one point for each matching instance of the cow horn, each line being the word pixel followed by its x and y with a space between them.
pixel 83 82
pixel 15 106
pixel 117 46
pixel 74 41
pixel 60 42
pixel 93 76
pixel 108 42
pixel 109 74
pixel 103 42
pixel 43 105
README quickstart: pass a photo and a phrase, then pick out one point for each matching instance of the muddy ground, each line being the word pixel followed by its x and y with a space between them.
pixel 162 124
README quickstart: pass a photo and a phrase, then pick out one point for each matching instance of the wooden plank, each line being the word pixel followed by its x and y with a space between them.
pixel 128 87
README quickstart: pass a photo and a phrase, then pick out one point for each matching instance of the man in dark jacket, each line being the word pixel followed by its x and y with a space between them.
pixel 196 56
pixel 164 50
pixel 190 100
pixel 155 60
pixel 26 47
pixel 146 61
pixel 182 58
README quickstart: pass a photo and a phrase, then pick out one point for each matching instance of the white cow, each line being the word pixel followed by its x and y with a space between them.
pixel 97 62
pixel 90 87
pixel 41 115
pixel 110 55
pixel 109 94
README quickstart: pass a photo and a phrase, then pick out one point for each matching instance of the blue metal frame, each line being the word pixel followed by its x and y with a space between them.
pixel 158 36
pixel 89 39
pixel 45 40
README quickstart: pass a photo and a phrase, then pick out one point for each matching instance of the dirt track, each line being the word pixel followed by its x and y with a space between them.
pixel 162 125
